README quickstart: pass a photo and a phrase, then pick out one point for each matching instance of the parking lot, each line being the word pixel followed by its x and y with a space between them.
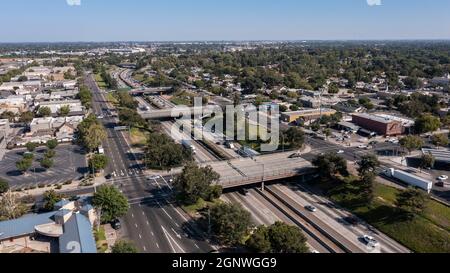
pixel 69 164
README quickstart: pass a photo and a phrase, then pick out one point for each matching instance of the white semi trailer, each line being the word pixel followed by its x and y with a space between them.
pixel 410 179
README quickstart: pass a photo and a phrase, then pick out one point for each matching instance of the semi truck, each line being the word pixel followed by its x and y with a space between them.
pixel 187 144
pixel 410 179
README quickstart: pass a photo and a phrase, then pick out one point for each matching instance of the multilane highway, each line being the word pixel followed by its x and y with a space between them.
pixel 155 225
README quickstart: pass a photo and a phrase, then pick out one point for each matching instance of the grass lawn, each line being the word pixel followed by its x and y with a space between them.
pixel 181 101
pixel 100 239
pixel 100 81
pixel 426 233
pixel 138 137
pixel 110 97
pixel 201 204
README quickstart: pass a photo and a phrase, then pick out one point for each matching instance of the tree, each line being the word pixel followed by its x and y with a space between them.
pixel 163 153
pixel 195 183
pixel 4 186
pixel 427 123
pixel 111 203
pixel 47 163
pixel 412 201
pixel 44 111
pixel 427 161
pixel 411 143
pixel 98 162
pixel 24 165
pixel 50 198
pixel 229 223
pixel 10 206
pixel 367 187
pixel 95 136
pixel 295 137
pixel 333 89
pixel 64 111
pixel 26 117
pixel 259 241
pixel 52 144
pixel 124 247
pixel 278 238
pixel 287 239
pixel 368 164
pixel 440 140
pixel 330 165
pixel 10 116
pixel 50 154
pixel 31 146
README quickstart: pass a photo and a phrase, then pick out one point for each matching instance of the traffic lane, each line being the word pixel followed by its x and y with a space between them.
pixel 190 237
pixel 341 215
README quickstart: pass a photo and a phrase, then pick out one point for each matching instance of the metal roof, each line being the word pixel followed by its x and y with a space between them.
pixel 77 237
pixel 24 226
pixel 439 155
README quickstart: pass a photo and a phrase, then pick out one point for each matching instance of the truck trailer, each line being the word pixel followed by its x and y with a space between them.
pixel 410 179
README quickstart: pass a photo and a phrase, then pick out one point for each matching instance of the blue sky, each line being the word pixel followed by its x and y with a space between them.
pixel 169 20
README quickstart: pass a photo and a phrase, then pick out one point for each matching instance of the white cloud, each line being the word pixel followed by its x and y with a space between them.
pixel 374 2
pixel 73 2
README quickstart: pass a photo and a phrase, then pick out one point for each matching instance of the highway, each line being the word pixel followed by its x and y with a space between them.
pixel 155 225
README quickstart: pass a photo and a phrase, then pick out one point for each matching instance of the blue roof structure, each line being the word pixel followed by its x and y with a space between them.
pixel 77 237
pixel 24 226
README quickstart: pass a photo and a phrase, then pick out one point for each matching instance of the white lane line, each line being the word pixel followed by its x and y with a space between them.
pixel 145 249
pixel 170 217
pixel 140 236
pixel 132 215
pixel 157 245
pixel 136 225
pixel 148 224
pixel 196 246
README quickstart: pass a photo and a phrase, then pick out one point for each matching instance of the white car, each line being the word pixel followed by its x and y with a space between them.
pixel 340 152
pixel 370 241
pixel 311 208
pixel 363 147
pixel 153 177
pixel 443 178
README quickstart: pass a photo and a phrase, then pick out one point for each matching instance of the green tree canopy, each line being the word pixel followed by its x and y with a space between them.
pixel 98 162
pixel 4 186
pixel 411 143
pixel 427 123
pixel 412 201
pixel 195 183
pixel 124 247
pixel 44 111
pixel 295 137
pixel 229 223
pixel 368 163
pixel 50 198
pixel 64 111
pixel 163 153
pixel 330 165
pixel 52 144
pixel 440 140
pixel 112 203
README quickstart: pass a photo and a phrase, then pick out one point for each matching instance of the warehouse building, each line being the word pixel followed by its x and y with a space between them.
pixel 382 125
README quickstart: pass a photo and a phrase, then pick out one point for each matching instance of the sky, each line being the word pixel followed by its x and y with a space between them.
pixel 195 20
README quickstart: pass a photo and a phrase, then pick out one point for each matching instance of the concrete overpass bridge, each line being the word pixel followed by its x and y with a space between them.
pixel 175 112
pixel 150 91
pixel 266 168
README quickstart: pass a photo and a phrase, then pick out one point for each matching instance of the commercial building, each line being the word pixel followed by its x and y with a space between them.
pixel 71 225
pixel 306 115
pixel 382 125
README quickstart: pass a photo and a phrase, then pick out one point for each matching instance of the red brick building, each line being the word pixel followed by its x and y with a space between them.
pixel 380 125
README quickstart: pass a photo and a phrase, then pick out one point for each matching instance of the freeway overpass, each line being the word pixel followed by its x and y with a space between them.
pixel 150 91
pixel 175 112
pixel 248 171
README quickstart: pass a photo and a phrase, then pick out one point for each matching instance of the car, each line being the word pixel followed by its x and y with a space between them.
pixel 363 147
pixel 443 178
pixel 352 220
pixel 340 152
pixel 153 177
pixel 116 224
pixel 311 208
pixel 296 155
pixel 370 241
pixel 243 192
pixel 108 177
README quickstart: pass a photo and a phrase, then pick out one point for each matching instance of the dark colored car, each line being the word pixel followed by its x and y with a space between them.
pixel 352 220
pixel 243 192
pixel 116 224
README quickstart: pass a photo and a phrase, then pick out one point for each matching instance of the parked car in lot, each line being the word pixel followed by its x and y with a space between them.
pixel 311 208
